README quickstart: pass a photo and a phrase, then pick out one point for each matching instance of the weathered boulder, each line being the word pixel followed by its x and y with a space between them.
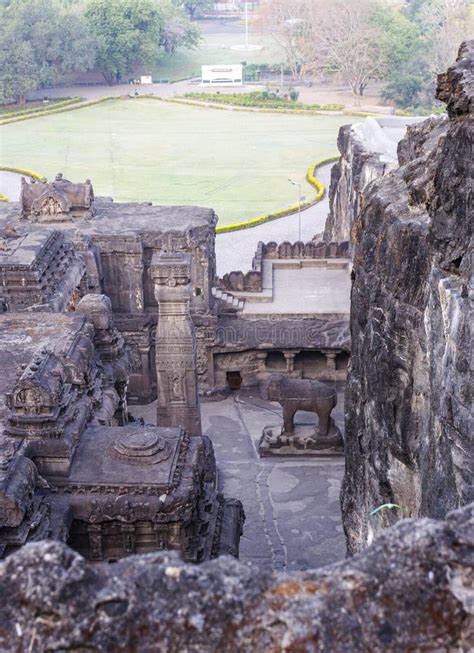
pixel 409 419
pixel 411 591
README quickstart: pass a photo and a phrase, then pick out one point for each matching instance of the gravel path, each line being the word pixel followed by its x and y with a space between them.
pixel 235 249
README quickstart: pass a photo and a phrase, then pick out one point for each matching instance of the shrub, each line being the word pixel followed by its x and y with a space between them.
pixel 42 109
pixel 320 191
pixel 24 171
pixel 262 100
pixel 49 112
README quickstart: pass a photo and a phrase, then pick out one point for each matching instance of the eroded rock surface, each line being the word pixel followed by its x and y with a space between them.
pixel 409 420
pixel 411 591
pixel 368 151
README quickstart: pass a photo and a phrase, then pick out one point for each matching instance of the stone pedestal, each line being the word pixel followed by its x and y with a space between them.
pixel 177 387
pixel 304 441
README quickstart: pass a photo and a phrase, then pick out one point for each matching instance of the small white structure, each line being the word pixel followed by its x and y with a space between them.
pixel 225 75
pixel 146 79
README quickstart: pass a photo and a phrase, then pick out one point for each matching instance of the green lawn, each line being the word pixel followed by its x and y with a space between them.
pixel 236 162
pixel 216 49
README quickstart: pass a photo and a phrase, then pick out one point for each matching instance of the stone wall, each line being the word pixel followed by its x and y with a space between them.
pixel 251 281
pixel 409 416
pixel 411 591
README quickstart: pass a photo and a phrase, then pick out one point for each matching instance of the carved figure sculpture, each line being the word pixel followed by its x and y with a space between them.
pixel 301 394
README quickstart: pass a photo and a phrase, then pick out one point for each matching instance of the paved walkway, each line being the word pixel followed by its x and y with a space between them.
pixel 93 92
pixel 236 249
pixel 292 505
pixel 10 185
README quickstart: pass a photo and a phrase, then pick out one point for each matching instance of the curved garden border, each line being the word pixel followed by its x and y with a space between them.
pixel 247 224
pixel 61 109
pixel 310 178
pixel 24 171
pixel 20 171
pixel 41 109
pixel 235 107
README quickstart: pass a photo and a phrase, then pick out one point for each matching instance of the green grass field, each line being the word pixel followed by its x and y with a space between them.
pixel 216 49
pixel 235 162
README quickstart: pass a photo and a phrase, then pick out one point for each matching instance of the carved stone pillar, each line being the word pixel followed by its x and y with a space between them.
pixel 144 353
pixel 178 400
pixel 261 362
pixel 330 361
pixel 128 538
pixel 290 361
pixel 95 541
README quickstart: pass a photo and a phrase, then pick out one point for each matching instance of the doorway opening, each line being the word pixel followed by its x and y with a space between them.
pixel 234 380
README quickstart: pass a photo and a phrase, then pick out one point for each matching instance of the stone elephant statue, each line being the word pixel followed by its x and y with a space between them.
pixel 301 394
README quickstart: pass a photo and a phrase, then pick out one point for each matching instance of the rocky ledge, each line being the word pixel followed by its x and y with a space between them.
pixel 412 590
pixel 409 418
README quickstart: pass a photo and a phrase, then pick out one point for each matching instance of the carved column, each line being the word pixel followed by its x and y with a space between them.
pixel 178 400
pixel 128 538
pixel 261 362
pixel 330 360
pixel 290 361
pixel 95 541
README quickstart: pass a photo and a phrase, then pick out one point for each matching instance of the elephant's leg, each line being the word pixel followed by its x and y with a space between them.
pixel 324 415
pixel 288 419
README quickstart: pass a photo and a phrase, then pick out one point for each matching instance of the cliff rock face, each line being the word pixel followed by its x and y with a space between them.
pixel 368 151
pixel 409 420
pixel 356 168
pixel 411 591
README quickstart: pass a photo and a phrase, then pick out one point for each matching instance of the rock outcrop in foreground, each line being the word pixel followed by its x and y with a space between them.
pixel 409 418
pixel 411 591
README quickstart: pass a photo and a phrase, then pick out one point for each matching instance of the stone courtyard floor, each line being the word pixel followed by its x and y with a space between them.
pixel 291 504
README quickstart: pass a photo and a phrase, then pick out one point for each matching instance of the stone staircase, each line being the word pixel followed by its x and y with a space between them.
pixel 228 299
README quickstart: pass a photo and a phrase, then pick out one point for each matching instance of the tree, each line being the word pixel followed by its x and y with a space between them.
pixel 403 66
pixel 446 23
pixel 127 33
pixel 177 31
pixel 442 26
pixel 286 22
pixel 195 8
pixel 39 41
pixel 346 41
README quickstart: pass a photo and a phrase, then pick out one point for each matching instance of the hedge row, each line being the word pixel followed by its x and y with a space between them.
pixel 310 177
pixel 231 107
pixel 49 112
pixel 363 114
pixel 42 109
pixel 256 99
pixel 24 171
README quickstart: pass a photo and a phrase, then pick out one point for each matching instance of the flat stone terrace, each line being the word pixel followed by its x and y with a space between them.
pixel 292 505
pixel 301 287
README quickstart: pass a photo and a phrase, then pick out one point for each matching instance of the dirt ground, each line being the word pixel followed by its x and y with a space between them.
pixel 338 94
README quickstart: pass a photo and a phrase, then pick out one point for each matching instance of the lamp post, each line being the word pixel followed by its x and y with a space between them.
pixel 295 183
pixel 246 25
